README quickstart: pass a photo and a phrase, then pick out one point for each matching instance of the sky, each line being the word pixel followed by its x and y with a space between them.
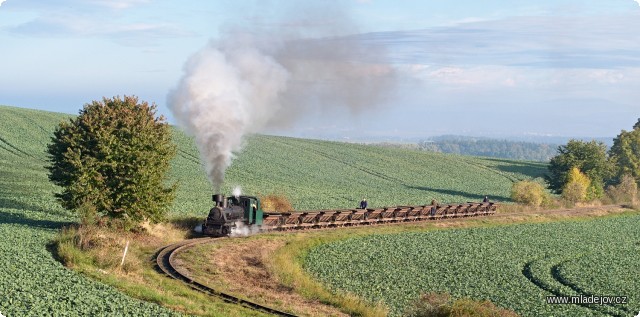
pixel 479 68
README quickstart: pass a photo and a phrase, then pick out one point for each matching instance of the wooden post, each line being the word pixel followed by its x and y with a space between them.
pixel 126 248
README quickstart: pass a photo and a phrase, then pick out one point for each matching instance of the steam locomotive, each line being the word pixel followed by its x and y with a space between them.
pixel 231 212
pixel 234 212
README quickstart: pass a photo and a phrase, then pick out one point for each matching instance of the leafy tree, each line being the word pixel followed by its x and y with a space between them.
pixel 589 157
pixel 625 153
pixel 114 156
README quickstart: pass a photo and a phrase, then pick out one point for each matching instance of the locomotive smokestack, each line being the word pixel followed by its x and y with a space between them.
pixel 219 200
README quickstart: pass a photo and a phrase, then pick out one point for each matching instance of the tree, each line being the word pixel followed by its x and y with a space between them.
pixel 114 156
pixel 625 153
pixel 589 157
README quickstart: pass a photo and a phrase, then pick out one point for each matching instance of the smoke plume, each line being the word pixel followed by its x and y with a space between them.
pixel 248 80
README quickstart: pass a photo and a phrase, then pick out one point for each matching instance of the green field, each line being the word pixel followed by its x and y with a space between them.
pixel 314 174
pixel 514 266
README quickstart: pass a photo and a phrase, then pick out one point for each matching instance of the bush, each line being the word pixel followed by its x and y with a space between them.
pixel 275 203
pixel 113 157
pixel 441 305
pixel 577 186
pixel 625 192
pixel 530 193
pixel 430 305
pixel 466 307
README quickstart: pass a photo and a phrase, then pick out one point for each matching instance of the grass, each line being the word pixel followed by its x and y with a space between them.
pixel 97 251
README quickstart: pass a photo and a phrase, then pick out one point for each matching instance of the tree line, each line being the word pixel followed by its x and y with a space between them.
pixel 516 150
pixel 588 170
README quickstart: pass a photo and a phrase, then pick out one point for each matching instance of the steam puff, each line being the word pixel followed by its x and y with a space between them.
pixel 226 92
pixel 246 82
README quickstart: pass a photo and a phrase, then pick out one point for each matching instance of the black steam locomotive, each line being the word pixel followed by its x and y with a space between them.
pixel 232 212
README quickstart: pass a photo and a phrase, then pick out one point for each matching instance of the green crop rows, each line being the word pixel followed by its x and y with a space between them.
pixel 514 266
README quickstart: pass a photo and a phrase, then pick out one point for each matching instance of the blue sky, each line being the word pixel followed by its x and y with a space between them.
pixel 493 68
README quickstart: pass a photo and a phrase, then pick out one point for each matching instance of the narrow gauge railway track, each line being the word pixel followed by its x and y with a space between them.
pixel 320 219
pixel 165 261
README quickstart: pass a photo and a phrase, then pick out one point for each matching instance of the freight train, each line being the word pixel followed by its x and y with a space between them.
pixel 237 212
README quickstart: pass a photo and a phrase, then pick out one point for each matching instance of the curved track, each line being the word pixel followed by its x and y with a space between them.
pixel 165 264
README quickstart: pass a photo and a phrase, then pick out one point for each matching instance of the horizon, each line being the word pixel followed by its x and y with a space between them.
pixel 374 139
pixel 558 68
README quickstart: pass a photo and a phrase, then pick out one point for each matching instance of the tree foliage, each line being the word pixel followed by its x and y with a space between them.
pixel 625 153
pixel 114 156
pixel 589 157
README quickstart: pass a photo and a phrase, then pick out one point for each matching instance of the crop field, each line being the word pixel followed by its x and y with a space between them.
pixel 515 266
pixel 313 174
pixel 32 282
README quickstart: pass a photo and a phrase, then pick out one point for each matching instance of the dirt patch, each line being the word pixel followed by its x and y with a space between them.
pixel 241 268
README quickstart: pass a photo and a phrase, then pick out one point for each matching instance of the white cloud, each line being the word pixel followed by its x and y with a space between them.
pixel 638 1
pixel 2 1
pixel 72 25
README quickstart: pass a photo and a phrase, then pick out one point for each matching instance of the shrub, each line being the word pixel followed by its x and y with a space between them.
pixel 114 156
pixel 430 305
pixel 577 186
pixel 441 305
pixel 466 307
pixel 529 193
pixel 625 192
pixel 275 203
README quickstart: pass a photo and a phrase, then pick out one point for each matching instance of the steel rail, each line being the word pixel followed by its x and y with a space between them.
pixel 165 264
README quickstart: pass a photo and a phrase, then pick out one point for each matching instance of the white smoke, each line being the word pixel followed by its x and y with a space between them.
pixel 242 230
pixel 237 191
pixel 2 1
pixel 248 80
pixel 637 1
pixel 224 94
